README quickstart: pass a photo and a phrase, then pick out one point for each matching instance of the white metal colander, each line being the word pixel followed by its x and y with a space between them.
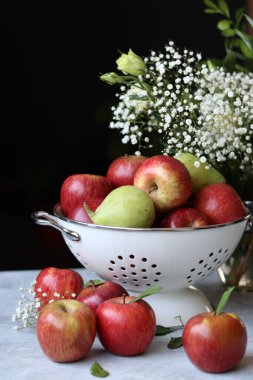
pixel 174 259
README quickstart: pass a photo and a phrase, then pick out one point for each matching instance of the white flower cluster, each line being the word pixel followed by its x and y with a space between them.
pixel 29 306
pixel 27 312
pixel 189 108
pixel 226 117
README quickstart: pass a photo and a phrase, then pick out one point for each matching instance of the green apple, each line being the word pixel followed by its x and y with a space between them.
pixel 125 206
pixel 200 175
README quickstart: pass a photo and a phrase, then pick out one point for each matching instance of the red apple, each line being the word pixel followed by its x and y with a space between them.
pixel 184 217
pixel 215 343
pixel 166 180
pixel 220 203
pixel 94 295
pixel 121 171
pixel 80 188
pixel 54 283
pixel 66 330
pixel 125 328
pixel 79 214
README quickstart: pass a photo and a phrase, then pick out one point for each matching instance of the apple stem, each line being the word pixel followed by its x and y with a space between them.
pixel 153 188
pixel 89 212
pixel 124 298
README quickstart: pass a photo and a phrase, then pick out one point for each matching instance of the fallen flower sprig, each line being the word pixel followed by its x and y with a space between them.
pixel 27 312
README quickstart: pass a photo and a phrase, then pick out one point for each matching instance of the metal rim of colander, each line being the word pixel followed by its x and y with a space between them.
pixel 248 205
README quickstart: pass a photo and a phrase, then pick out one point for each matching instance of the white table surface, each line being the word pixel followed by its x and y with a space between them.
pixel 22 358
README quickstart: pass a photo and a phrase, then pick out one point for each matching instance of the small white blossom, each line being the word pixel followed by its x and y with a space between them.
pixel 208 113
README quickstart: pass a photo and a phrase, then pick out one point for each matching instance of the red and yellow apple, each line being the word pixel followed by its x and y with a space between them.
pixel 66 330
pixel 166 180
pixel 215 343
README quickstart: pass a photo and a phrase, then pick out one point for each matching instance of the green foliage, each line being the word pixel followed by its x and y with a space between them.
pixel 98 371
pixel 234 29
pixel 224 299
pixel 146 293
pixel 175 342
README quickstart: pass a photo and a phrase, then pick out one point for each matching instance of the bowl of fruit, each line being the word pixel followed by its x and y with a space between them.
pixel 152 222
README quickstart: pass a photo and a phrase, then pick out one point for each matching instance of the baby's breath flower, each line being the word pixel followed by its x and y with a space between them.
pixel 179 101
pixel 27 312
pixel 29 306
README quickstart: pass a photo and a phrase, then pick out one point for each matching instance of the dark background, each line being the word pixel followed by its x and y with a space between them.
pixel 55 111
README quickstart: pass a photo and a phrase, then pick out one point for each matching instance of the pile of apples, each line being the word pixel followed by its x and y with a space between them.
pixel 145 192
pixel 67 327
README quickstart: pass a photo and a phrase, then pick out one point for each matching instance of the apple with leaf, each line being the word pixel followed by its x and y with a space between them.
pixel 126 325
pixel 215 341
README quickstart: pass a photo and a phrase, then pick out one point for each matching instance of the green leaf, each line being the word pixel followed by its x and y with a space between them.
pixel 98 371
pixel 224 300
pixel 95 282
pixel 245 51
pixel 162 330
pixel 241 68
pixel 210 4
pixel 228 32
pixel 224 24
pixel 175 342
pixel 212 11
pixel 148 292
pixel 249 19
pixel 238 15
pixel 224 7
pixel 246 39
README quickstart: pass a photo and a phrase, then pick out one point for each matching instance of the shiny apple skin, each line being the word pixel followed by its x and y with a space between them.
pixel 79 188
pixel 184 217
pixel 220 203
pixel 122 169
pixel 94 295
pixel 68 283
pixel 79 214
pixel 166 180
pixel 66 330
pixel 125 329
pixel 215 343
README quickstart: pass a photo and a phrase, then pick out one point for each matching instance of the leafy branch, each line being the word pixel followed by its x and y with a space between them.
pixel 234 30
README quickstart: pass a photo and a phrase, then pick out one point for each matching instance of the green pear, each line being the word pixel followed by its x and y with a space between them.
pixel 199 175
pixel 125 206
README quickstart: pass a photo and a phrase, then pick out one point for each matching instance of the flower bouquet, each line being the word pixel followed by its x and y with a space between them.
pixel 175 102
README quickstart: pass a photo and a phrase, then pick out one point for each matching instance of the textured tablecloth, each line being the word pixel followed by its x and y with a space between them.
pixel 22 358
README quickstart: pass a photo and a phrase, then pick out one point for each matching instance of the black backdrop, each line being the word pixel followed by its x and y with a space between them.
pixel 55 110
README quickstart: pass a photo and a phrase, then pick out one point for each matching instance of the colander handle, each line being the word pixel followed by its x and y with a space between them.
pixel 45 219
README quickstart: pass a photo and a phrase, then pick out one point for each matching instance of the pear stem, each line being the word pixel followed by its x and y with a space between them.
pixel 89 212
pixel 93 284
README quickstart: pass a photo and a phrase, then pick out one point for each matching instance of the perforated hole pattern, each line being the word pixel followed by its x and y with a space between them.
pixel 147 274
pixel 141 272
pixel 204 266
